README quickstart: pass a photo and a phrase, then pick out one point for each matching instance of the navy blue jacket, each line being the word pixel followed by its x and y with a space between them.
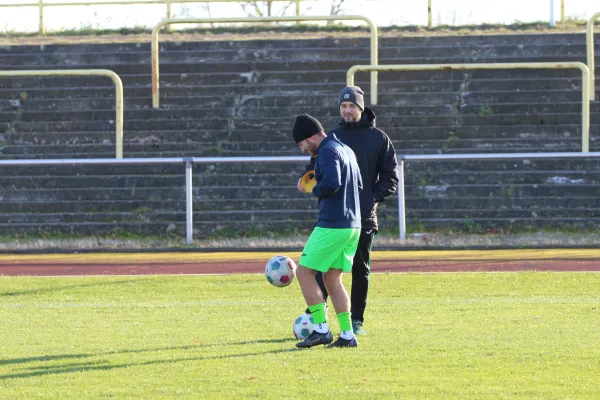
pixel 376 159
pixel 338 185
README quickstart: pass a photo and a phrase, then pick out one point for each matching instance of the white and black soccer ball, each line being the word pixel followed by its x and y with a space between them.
pixel 280 271
pixel 303 326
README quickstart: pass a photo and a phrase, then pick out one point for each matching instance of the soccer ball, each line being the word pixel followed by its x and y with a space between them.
pixel 280 271
pixel 303 326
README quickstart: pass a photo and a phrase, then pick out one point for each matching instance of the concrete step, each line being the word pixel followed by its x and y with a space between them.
pixel 495 190
pixel 288 75
pixel 201 44
pixel 85 194
pixel 321 100
pixel 109 152
pixel 278 65
pixel 266 216
pixel 454 125
pixel 413 204
pixel 401 137
pixel 269 53
pixel 99 181
pixel 256 109
pixel 545 143
pixel 483 225
pixel 506 190
pixel 392 92
pixel 530 204
pixel 502 215
pixel 146 206
pixel 426 182
pixel 173 229
pixel 565 177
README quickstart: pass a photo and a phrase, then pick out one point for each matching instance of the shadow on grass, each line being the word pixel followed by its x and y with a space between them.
pixel 136 351
pixel 105 366
pixel 66 287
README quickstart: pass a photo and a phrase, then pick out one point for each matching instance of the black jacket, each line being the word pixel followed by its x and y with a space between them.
pixel 377 161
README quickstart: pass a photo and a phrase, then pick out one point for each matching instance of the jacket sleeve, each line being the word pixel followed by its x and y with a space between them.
pixel 331 174
pixel 387 169
pixel 308 167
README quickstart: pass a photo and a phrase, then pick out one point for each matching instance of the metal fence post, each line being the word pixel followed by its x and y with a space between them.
pixel 429 16
pixel 169 16
pixel 401 201
pixel 189 206
pixel 41 28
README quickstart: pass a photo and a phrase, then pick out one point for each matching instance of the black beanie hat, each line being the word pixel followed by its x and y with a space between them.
pixel 306 126
pixel 353 94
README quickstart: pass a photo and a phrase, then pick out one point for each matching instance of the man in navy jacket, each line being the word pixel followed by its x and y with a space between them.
pixel 378 165
pixel 332 244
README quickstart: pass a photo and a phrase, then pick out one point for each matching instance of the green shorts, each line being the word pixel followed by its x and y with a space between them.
pixel 330 248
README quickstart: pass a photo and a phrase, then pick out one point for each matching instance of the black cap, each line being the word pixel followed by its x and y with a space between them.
pixel 353 94
pixel 306 126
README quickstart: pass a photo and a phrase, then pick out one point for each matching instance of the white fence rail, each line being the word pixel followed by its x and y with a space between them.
pixel 189 161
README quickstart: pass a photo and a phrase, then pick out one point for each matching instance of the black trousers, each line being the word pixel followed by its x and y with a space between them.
pixel 361 270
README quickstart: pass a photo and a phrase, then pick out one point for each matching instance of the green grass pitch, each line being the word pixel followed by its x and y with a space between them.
pixel 523 335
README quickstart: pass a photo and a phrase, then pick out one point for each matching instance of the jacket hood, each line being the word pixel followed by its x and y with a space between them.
pixel 367 120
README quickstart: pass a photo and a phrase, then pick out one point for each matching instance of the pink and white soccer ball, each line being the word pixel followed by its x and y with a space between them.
pixel 280 271
pixel 303 326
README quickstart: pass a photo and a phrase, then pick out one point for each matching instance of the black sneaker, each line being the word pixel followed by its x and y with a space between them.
pixel 315 339
pixel 344 343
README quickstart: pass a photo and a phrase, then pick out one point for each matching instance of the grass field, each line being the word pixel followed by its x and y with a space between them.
pixel 465 335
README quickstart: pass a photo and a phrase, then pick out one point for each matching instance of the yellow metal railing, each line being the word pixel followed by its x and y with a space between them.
pixel 155 62
pixel 585 78
pixel 41 5
pixel 86 72
pixel 590 53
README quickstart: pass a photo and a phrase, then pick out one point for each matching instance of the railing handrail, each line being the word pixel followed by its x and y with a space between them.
pixel 188 161
pixel 41 5
pixel 585 78
pixel 86 72
pixel 402 158
pixel 149 160
pixel 589 41
pixel 155 48
pixel 462 157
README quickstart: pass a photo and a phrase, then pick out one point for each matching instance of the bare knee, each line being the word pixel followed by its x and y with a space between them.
pixel 332 279
pixel 304 273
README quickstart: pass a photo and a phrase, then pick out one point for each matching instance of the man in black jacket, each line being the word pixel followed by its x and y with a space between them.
pixel 378 165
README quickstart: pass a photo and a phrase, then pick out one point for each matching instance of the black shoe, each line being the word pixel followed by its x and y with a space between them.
pixel 344 343
pixel 315 339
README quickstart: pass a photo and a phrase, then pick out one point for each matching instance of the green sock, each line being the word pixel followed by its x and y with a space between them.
pixel 344 320
pixel 318 313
